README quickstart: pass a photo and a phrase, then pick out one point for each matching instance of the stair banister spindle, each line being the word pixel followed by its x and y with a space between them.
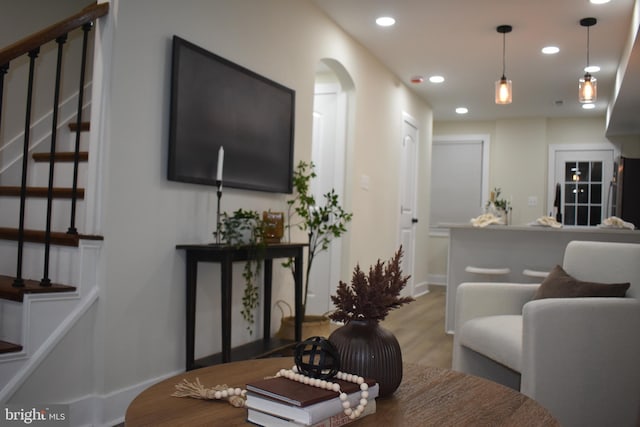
pixel 46 281
pixel 76 157
pixel 33 54
pixel 3 71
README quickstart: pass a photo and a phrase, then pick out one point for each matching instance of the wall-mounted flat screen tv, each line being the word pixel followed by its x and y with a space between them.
pixel 216 103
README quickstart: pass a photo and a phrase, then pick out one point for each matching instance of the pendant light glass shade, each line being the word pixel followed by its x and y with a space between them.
pixel 504 88
pixel 587 89
pixel 587 85
pixel 503 91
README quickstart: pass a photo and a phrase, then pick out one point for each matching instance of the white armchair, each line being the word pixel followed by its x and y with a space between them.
pixel 578 357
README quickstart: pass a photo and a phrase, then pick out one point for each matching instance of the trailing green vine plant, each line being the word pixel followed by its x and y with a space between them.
pixel 244 228
pixel 322 222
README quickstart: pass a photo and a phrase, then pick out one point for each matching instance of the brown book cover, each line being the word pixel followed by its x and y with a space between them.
pixel 299 394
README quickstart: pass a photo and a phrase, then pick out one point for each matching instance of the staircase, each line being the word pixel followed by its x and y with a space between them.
pixel 47 266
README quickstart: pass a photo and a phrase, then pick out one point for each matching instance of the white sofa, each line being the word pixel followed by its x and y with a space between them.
pixel 578 357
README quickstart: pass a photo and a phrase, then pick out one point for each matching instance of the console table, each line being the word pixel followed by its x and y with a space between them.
pixel 226 255
pixel 427 396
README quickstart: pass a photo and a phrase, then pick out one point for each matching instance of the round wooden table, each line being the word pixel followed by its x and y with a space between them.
pixel 426 397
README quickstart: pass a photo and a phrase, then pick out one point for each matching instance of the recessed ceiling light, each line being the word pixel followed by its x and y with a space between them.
pixel 385 21
pixel 599 1
pixel 550 50
pixel 462 110
pixel 589 106
pixel 592 69
pixel 436 79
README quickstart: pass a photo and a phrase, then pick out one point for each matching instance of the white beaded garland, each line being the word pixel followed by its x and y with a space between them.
pixel 293 375
pixel 226 393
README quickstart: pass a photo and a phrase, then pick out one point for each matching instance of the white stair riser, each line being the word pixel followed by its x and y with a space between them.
pixel 11 321
pixel 35 213
pixel 61 262
pixel 12 173
pixel 62 174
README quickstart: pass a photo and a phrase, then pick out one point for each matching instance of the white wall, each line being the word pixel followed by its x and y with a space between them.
pixel 145 216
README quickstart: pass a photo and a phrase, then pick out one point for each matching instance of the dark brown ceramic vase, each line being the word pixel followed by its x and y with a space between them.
pixel 369 350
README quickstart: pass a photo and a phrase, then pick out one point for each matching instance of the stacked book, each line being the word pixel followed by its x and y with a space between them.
pixel 280 402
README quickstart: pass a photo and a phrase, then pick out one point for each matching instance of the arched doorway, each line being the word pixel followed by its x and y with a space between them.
pixel 331 115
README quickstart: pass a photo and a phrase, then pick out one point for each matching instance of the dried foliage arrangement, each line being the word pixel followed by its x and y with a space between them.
pixel 372 296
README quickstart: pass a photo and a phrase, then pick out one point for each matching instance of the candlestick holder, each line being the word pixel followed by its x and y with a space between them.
pixel 218 223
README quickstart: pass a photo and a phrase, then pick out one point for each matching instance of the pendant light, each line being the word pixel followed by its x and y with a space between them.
pixel 503 86
pixel 587 85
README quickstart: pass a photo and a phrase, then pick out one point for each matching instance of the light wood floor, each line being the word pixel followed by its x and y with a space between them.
pixel 419 328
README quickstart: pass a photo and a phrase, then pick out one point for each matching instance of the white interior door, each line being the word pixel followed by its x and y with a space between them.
pixel 328 148
pixel 408 184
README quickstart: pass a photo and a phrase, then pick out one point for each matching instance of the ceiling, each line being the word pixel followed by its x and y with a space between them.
pixel 457 39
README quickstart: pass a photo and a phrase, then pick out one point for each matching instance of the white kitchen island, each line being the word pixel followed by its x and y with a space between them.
pixel 514 247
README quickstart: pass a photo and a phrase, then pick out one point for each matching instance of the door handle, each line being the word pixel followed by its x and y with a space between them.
pixel 414 220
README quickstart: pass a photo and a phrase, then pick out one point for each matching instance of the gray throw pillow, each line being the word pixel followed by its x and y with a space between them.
pixel 559 284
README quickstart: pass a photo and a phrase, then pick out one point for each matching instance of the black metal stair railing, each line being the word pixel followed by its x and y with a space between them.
pixel 76 156
pixel 31 46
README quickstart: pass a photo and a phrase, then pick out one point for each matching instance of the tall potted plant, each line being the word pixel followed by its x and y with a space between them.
pixel 322 222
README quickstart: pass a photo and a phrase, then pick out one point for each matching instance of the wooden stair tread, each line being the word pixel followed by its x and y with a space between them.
pixel 37 236
pixel 58 192
pixel 61 156
pixel 10 292
pixel 84 126
pixel 7 347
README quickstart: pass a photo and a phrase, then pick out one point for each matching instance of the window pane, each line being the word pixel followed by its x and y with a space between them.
pixel 583 169
pixel 596 194
pixel 583 193
pixel 596 172
pixel 569 215
pixel 583 215
pixel 570 193
pixel 569 167
pixel 596 215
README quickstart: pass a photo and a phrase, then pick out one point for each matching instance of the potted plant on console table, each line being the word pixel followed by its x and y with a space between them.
pixel 322 223
pixel 244 228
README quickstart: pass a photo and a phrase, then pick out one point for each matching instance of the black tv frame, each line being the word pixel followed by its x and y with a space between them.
pixel 215 102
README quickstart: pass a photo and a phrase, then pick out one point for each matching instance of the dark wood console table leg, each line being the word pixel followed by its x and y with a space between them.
pixel 226 270
pixel 298 295
pixel 268 280
pixel 192 278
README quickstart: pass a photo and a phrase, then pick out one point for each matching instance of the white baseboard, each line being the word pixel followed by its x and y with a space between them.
pixel 438 279
pixel 420 289
pixel 109 410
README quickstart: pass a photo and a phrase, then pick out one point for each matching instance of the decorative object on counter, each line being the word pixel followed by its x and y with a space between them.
pixel 273 226
pixel 499 207
pixel 322 222
pixel 615 222
pixel 365 347
pixel 245 228
pixel 486 219
pixel 547 221
pixel 234 395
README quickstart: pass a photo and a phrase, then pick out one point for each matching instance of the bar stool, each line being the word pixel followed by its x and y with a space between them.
pixel 489 272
